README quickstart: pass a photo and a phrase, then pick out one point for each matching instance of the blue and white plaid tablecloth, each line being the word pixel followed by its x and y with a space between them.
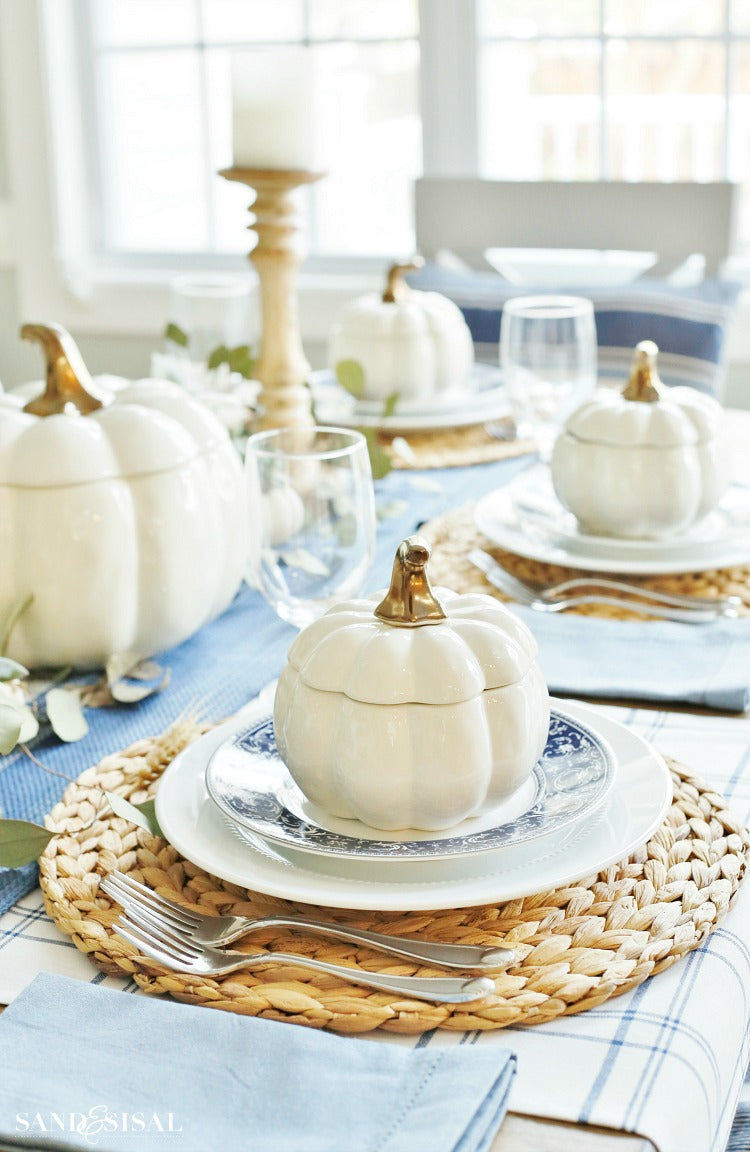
pixel 667 1060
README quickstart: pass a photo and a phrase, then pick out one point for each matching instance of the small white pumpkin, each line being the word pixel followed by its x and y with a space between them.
pixel 123 514
pixel 413 343
pixel 414 710
pixel 645 463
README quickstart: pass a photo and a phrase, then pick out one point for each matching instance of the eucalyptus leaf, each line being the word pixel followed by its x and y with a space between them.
pixel 140 814
pixel 304 560
pixel 380 461
pixel 65 714
pixel 218 356
pixel 29 724
pixel 351 376
pixel 148 809
pixel 131 690
pixel 241 361
pixel 21 842
pixel 390 508
pixel 389 405
pixel 403 449
pixel 11 669
pixel 7 626
pixel 176 334
pixel 10 727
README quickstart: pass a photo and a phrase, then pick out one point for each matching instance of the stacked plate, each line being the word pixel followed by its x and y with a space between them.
pixel 228 804
pixel 526 517
pixel 482 398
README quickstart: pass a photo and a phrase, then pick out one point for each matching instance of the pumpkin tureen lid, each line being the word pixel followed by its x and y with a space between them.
pixel 646 413
pixel 414 645
pixel 76 432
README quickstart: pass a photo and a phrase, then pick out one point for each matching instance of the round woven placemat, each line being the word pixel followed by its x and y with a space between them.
pixel 451 447
pixel 576 946
pixel 452 536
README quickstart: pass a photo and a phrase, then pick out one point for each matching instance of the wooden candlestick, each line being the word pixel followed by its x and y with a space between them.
pixel 282 367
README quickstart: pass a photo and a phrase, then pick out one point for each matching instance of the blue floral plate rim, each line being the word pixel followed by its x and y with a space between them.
pixel 249 783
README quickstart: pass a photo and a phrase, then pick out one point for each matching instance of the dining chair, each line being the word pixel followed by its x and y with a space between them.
pixel 466 215
pixel 458 219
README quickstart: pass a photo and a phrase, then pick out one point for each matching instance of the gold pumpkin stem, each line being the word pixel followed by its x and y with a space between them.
pixel 410 601
pixel 644 384
pixel 69 383
pixel 396 288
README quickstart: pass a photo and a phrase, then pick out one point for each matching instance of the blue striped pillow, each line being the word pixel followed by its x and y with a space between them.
pixel 687 323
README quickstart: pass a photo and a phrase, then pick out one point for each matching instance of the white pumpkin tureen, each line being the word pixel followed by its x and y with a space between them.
pixel 644 463
pixel 405 341
pixel 123 523
pixel 412 710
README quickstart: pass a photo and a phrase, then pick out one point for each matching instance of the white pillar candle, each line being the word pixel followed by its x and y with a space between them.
pixel 274 109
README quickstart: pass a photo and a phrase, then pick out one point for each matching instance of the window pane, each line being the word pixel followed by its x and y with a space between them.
pixel 240 21
pixel 145 22
pixel 372 148
pixel 153 173
pixel 665 111
pixel 525 18
pixel 740 15
pixel 367 19
pixel 539 111
pixel 667 17
pixel 739 140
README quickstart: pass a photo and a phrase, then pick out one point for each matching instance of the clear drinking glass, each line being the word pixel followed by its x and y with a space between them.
pixel 548 356
pixel 312 518
pixel 209 326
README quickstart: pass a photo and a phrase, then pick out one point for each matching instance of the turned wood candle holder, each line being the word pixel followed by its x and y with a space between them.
pixel 282 367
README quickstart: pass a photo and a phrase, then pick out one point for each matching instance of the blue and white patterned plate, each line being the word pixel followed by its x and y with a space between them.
pixel 250 784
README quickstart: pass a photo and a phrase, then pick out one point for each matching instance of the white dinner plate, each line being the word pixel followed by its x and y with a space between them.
pixel 526 517
pixel 636 805
pixel 483 398
pixel 251 786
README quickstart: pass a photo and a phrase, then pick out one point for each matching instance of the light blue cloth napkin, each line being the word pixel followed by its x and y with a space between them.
pixel 706 664
pixel 139 1074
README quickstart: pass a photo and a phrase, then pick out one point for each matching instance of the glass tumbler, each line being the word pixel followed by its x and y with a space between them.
pixel 312 518
pixel 548 356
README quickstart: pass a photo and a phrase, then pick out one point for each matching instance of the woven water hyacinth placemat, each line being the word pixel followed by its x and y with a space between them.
pixel 452 447
pixel 452 536
pixel 576 946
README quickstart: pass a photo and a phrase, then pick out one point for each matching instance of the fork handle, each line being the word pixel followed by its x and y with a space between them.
pixel 442 989
pixel 446 955
pixel 720 604
pixel 661 611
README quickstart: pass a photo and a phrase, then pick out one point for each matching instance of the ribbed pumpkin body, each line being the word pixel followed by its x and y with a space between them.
pixel 127 526
pixel 419 728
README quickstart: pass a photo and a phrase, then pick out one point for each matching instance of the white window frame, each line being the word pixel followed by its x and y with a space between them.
pixel 46 217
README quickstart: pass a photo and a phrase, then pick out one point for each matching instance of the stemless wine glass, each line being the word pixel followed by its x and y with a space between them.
pixel 312 518
pixel 548 354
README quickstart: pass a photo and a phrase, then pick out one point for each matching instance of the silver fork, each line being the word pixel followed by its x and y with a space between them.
pixel 665 606
pixel 186 955
pixel 217 931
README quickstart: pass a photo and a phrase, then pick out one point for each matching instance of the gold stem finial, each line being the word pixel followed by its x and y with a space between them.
pixel 397 288
pixel 69 384
pixel 644 383
pixel 410 601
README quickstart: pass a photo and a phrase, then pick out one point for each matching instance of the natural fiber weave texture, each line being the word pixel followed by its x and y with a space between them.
pixel 451 447
pixel 452 536
pixel 576 946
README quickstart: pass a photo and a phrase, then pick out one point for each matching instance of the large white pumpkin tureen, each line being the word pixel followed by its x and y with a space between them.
pixel 414 710
pixel 413 343
pixel 647 462
pixel 122 515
